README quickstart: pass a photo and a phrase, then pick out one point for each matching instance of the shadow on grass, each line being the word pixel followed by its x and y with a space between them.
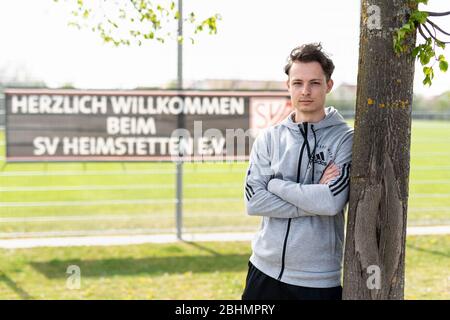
pixel 438 253
pixel 13 285
pixel 150 266
pixel 203 248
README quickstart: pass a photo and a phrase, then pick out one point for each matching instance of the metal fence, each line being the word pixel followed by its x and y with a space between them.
pixel 2 111
pixel 68 199
pixel 418 115
pixel 93 200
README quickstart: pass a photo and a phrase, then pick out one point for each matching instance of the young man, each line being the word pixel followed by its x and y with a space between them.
pixel 298 181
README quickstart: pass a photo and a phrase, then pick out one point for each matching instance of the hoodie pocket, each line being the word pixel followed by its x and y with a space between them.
pixel 268 243
pixel 309 247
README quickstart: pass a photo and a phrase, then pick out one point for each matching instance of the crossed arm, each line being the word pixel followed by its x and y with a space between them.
pixel 268 196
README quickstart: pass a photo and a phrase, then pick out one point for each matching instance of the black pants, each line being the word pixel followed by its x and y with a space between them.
pixel 260 286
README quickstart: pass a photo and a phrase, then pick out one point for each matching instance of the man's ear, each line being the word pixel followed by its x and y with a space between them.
pixel 330 84
pixel 288 84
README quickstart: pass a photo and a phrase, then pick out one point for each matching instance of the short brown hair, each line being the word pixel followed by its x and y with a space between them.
pixel 308 53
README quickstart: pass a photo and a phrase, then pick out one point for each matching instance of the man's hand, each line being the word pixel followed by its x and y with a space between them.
pixel 331 172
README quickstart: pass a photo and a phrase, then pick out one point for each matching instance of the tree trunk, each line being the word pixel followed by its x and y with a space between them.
pixel 376 228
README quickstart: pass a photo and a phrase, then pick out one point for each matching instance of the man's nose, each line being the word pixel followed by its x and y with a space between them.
pixel 306 90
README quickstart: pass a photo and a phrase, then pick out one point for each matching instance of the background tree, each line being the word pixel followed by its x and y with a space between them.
pixel 136 21
pixel 374 263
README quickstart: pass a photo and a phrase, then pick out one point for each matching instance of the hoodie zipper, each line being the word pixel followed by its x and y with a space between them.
pixel 305 141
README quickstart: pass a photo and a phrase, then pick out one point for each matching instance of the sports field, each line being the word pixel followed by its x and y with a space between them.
pixel 45 199
pixel 41 199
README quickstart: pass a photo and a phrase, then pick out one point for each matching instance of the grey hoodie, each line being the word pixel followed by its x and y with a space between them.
pixel 302 231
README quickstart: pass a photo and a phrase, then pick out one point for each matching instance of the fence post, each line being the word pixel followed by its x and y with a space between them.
pixel 181 124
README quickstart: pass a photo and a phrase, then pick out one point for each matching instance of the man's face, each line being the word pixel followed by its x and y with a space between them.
pixel 308 86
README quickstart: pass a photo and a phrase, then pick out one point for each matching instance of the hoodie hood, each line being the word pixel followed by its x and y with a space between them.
pixel 332 118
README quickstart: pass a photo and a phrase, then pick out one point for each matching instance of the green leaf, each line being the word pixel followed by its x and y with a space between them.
pixel 123 14
pixel 192 17
pixel 424 58
pixel 443 65
pixel 74 24
pixel 112 23
pixel 440 44
pixel 422 17
pixel 419 16
pixel 406 27
pixel 397 46
pixel 416 51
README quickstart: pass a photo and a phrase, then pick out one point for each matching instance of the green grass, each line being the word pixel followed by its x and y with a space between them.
pixel 429 201
pixel 427 267
pixel 182 270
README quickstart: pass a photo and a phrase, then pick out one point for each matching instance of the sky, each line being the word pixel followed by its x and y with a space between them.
pixel 252 43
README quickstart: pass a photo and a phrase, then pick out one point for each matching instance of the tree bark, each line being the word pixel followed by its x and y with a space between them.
pixel 376 227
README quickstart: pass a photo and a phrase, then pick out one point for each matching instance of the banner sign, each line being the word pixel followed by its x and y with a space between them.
pixel 101 125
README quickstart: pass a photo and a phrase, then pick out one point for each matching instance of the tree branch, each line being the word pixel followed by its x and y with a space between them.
pixel 437 27
pixel 421 33
pixel 437 14
pixel 135 6
pixel 429 32
pixel 431 35
pixel 435 35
